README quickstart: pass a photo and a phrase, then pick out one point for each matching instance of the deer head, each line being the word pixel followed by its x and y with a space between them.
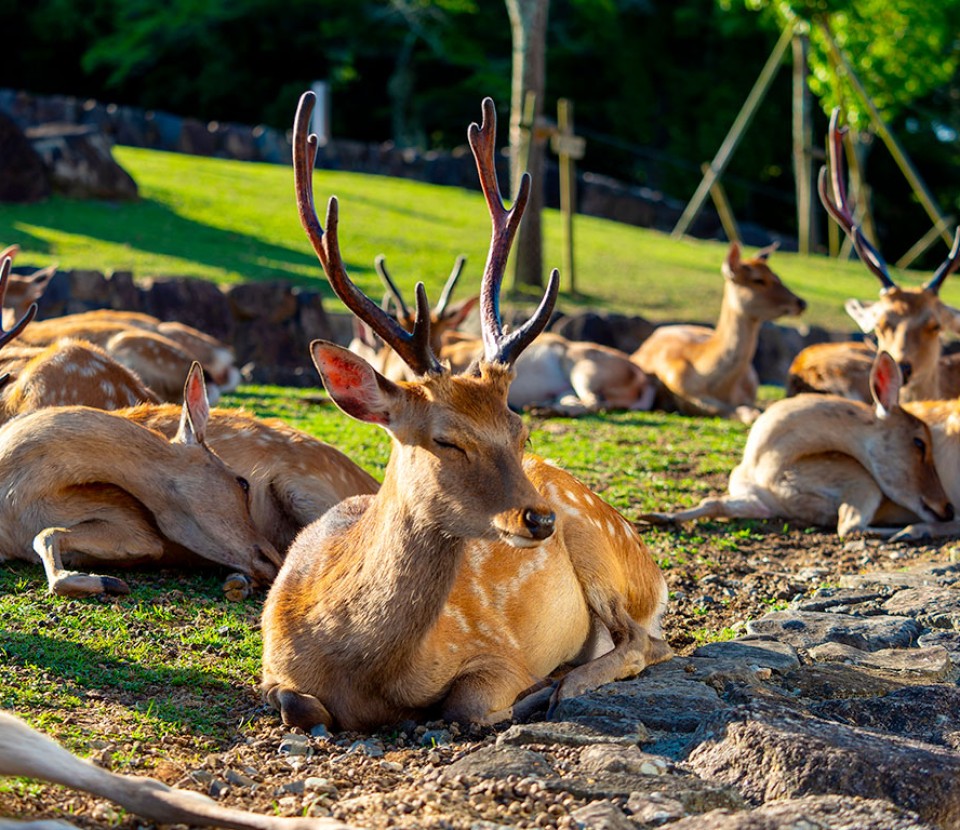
pixel 457 448
pixel 905 321
pixel 754 289
pixel 23 290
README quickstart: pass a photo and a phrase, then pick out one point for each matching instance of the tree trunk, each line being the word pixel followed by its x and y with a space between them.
pixel 528 21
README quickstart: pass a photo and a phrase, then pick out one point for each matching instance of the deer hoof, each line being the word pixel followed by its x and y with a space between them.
pixel 237 587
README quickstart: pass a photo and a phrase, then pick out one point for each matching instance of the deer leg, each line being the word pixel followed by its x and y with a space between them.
pixel 719 507
pixel 860 502
pixel 634 649
pixel 98 539
pixel 298 709
pixel 494 692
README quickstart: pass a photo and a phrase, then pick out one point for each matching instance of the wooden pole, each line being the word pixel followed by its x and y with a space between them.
pixel 888 138
pixel 568 185
pixel 722 204
pixel 922 244
pixel 743 119
pixel 802 140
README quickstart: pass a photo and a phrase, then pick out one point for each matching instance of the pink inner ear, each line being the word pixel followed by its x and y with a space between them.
pixel 883 380
pixel 352 385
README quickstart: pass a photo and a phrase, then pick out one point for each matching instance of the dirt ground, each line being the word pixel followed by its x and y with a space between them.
pixel 397 778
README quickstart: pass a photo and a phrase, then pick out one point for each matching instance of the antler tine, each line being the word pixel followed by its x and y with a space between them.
pixel 505 223
pixel 444 300
pixel 380 263
pixel 23 322
pixel 947 267
pixel 839 206
pixel 413 347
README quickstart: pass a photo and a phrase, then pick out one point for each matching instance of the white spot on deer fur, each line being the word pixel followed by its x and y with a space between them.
pixel 533 563
pixel 458 617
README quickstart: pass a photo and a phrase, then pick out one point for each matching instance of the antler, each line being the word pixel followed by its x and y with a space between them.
pixel 947 267
pixel 839 206
pixel 380 263
pixel 498 347
pixel 414 346
pixel 23 322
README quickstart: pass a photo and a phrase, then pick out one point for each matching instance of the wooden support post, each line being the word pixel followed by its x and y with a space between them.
pixel 743 119
pixel 922 244
pixel 888 138
pixel 568 147
pixel 802 141
pixel 722 204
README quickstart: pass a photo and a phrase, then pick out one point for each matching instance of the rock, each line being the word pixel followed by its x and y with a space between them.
pixel 933 663
pixel 605 758
pixel 501 761
pixel 23 175
pixel 602 815
pixel 752 652
pixel 566 734
pixel 933 575
pixel 618 331
pixel 841 601
pixel 930 605
pixel 654 809
pixel 805 629
pixel 923 713
pixel 80 163
pixel 769 753
pixel 822 812
pixel 950 640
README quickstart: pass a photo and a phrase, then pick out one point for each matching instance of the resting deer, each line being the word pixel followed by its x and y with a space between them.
pixel 706 371
pixel 81 484
pixel 476 570
pixel 160 353
pixel 25 753
pixel 824 459
pixel 566 377
pixel 907 322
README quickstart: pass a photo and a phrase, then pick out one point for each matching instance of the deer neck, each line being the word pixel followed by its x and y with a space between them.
pixel 405 570
pixel 728 351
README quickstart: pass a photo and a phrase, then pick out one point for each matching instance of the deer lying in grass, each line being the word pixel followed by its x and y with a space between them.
pixel 828 460
pixel 81 484
pixel 25 753
pixel 907 322
pixel 160 353
pixel 476 571
pixel 565 377
pixel 706 371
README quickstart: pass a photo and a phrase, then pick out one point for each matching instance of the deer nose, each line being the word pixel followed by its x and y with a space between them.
pixel 802 305
pixel 948 513
pixel 540 525
pixel 906 369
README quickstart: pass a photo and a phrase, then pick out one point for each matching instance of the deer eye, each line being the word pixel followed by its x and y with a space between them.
pixel 244 485
pixel 449 445
pixel 920 444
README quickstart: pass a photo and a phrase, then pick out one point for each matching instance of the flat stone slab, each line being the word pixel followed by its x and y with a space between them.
pixel 806 629
pixel 753 652
pixel 931 605
pixel 931 575
pixel 819 812
pixel 841 601
pixel 565 734
pixel 932 663
pixel 769 753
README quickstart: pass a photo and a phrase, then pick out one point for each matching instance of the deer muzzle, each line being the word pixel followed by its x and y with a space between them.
pixel 526 528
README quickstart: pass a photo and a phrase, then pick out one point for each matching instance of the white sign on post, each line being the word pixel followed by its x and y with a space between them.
pixel 320 122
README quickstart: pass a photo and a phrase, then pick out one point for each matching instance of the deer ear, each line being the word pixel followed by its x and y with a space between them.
pixel 732 261
pixel 456 315
pixel 864 316
pixel 949 318
pixel 885 383
pixel 196 408
pixel 353 384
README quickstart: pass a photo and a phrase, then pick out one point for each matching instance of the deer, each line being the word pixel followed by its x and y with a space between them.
pixel 293 477
pixel 564 377
pixel 27 753
pixel 476 570
pixel 23 289
pixel 79 484
pixel 906 322
pixel 704 371
pixel 828 460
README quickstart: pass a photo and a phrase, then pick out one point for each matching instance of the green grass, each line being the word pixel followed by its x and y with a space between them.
pixel 233 221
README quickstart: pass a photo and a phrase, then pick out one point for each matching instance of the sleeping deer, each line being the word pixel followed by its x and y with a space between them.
pixel 564 377
pixel 828 460
pixel 907 322
pixel 706 371
pixel 476 571
pixel 79 484
pixel 25 753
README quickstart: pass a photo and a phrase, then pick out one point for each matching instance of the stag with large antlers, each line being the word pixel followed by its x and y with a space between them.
pixel 907 322
pixel 476 571
pixel 704 371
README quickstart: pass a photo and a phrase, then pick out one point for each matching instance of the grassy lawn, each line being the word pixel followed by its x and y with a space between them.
pixel 236 221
